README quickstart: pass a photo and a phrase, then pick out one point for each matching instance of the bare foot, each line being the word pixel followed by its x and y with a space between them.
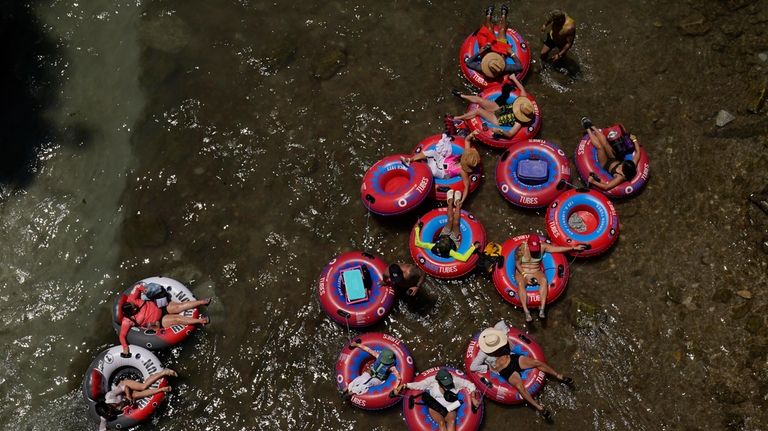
pixel 170 372
pixel 166 389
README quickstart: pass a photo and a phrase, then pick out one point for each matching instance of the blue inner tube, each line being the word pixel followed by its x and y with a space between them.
pixel 550 270
pixel 431 229
pixel 578 200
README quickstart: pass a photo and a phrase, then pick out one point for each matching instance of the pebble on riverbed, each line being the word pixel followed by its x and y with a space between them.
pixel 723 118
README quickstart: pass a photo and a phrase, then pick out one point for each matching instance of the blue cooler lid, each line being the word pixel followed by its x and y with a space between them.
pixel 532 171
pixel 354 286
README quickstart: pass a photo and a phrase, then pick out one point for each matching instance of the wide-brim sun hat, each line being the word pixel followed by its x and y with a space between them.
pixel 523 109
pixel 492 339
pixel 492 64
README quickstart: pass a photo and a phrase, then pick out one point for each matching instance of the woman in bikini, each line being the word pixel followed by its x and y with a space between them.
pixel 496 354
pixel 620 170
pixel 528 270
pixel 127 392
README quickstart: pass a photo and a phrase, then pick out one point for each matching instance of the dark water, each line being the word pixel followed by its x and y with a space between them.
pixel 223 143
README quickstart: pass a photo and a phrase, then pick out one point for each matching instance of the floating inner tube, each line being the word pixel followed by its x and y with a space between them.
pixel 354 361
pixel 554 266
pixel 470 47
pixel 587 161
pixel 109 369
pixel 530 173
pixel 501 390
pixel 165 337
pixel 391 188
pixel 528 131
pixel 440 267
pixel 417 416
pixel 442 185
pixel 583 217
pixel 335 297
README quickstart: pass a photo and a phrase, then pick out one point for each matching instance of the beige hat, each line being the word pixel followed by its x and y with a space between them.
pixel 523 109
pixel 492 339
pixel 493 64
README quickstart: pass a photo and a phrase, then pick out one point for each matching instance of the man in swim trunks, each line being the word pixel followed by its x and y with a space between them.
pixel 528 270
pixel 405 277
pixel 496 355
pixel 440 395
pixel 560 36
pixel 491 58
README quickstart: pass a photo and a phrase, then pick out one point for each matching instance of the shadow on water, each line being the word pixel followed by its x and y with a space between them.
pixel 29 86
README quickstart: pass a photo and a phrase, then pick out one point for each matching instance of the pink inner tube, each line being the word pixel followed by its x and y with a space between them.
pixel 441 186
pixel 554 266
pixel 526 132
pixel 532 194
pixel 583 217
pixel 586 162
pixel 501 390
pixel 391 188
pixel 446 268
pixel 417 416
pixel 471 47
pixel 352 362
pixel 333 299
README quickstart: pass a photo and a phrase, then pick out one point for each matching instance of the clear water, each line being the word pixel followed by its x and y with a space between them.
pixel 223 143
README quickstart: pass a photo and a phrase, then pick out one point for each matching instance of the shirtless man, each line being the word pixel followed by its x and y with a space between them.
pixel 561 36
pixel 528 270
pixel 405 277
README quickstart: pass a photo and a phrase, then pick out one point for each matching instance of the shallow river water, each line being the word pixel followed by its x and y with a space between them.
pixel 223 143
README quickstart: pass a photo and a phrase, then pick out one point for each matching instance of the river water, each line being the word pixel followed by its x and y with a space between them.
pixel 223 143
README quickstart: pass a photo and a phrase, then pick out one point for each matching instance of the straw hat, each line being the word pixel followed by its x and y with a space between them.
pixel 469 160
pixel 492 339
pixel 523 109
pixel 493 64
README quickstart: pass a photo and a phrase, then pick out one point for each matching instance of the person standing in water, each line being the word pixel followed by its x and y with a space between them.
pixel 560 36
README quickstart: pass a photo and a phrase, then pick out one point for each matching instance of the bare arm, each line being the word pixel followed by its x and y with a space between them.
pixel 365 349
pixel 465 193
pixel 519 85
pixel 549 248
pixel 618 179
pixel 508 133
pixel 636 156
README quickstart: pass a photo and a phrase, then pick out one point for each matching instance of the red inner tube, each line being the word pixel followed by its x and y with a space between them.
pixel 391 188
pixel 587 162
pixel 446 268
pixel 352 362
pixel 333 299
pixel 441 186
pixel 526 132
pixel 528 194
pixel 583 217
pixel 417 415
pixel 554 266
pixel 470 47
pixel 501 390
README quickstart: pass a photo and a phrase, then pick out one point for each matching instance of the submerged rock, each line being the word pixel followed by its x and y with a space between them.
pixel 329 64
pixel 583 314
pixel 746 294
pixel 723 118
pixel 142 230
pixel 722 295
pixel 165 33
pixel 694 25
pixel 755 325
